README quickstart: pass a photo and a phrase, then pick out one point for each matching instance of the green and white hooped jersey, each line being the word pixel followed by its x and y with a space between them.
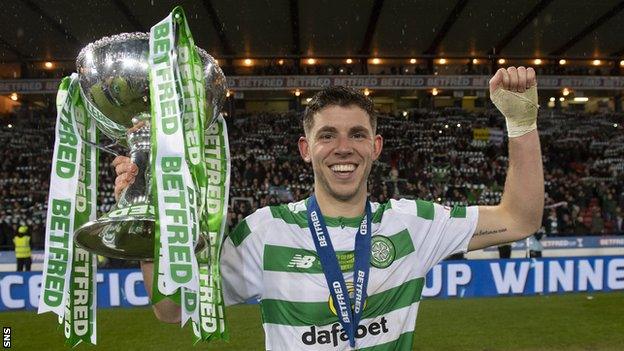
pixel 271 256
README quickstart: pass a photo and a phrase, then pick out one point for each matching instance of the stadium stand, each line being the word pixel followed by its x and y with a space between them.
pixel 441 156
pixel 287 67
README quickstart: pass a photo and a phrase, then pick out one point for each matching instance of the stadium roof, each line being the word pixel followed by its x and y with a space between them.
pixel 33 30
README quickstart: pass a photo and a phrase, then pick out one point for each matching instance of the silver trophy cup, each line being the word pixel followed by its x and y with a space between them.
pixel 113 76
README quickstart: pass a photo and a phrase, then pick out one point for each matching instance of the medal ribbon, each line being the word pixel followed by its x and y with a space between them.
pixel 349 318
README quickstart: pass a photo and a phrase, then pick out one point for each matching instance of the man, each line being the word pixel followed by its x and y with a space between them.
pixel 289 256
pixel 22 249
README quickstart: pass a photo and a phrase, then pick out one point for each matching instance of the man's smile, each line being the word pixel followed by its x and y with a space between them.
pixel 343 170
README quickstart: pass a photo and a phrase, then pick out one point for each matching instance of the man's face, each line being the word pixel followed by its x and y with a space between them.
pixel 341 147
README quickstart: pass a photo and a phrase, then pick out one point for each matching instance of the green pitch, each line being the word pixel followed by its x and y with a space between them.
pixel 559 322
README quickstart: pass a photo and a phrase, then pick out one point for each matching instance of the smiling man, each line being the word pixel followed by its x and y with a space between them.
pixel 338 272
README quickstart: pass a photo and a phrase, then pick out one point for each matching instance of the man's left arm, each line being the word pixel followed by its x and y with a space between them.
pixel 520 212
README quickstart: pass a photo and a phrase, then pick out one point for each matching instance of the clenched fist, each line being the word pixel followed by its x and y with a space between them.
pixel 126 173
pixel 514 92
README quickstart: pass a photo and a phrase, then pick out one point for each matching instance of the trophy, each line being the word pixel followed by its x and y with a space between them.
pixel 113 78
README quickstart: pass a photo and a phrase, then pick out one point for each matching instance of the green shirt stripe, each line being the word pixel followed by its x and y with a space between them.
pixel 240 233
pixel 424 209
pixel 282 212
pixel 288 259
pixel 318 313
pixel 458 212
pixel 301 218
pixel 380 211
pixel 403 244
pixel 404 342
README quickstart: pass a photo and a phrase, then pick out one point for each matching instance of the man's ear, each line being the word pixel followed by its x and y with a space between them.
pixel 304 149
pixel 377 146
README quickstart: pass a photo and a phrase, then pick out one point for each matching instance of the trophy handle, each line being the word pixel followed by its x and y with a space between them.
pixel 105 148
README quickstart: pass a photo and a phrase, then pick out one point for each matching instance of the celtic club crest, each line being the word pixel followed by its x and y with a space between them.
pixel 382 251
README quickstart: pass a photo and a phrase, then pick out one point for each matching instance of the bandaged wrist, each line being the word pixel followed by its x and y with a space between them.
pixel 519 109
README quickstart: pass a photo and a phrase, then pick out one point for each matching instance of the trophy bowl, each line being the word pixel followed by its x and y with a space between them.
pixel 113 77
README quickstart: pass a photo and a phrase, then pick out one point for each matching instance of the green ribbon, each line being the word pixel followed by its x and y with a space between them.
pixel 206 154
pixel 81 316
pixel 72 203
pixel 217 158
pixel 191 83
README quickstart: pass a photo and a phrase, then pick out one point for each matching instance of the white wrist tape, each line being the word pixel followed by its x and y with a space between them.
pixel 519 109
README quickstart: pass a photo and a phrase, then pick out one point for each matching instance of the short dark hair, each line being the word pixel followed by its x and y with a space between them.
pixel 338 96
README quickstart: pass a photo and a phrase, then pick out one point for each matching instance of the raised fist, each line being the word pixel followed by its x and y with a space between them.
pixel 514 92
pixel 513 79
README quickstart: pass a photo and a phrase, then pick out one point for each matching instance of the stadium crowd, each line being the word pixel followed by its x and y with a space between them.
pixel 448 156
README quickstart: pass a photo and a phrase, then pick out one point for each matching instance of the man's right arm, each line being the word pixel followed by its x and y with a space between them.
pixel 240 262
pixel 165 310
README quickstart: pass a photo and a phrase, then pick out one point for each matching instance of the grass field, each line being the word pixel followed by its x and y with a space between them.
pixel 559 322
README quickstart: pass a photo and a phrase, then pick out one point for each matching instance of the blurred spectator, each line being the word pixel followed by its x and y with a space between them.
pixel 21 241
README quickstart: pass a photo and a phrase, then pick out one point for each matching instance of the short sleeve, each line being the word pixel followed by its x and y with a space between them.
pixel 448 231
pixel 240 264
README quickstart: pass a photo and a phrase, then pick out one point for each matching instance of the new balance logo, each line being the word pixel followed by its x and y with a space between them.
pixel 301 261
